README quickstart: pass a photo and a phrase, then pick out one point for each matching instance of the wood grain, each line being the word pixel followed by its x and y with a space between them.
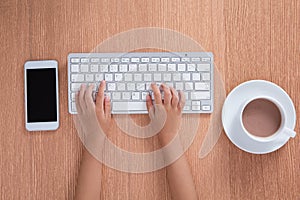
pixel 249 39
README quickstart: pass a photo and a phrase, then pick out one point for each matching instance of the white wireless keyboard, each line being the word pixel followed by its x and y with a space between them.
pixel 128 77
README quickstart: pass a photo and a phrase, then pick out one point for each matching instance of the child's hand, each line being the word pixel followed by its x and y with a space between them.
pixel 93 114
pixel 173 105
pixel 103 109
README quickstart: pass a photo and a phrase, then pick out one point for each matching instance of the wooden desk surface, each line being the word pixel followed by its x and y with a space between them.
pixel 250 40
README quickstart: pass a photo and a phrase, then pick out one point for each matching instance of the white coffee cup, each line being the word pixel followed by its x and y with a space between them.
pixel 283 132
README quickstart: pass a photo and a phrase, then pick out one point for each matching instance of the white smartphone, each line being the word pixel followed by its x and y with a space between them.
pixel 41 95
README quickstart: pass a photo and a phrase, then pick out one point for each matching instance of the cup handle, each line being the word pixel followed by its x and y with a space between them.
pixel 289 132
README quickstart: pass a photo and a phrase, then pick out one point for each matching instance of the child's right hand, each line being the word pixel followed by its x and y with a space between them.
pixel 173 104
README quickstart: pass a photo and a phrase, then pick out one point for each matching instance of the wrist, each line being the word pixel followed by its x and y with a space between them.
pixel 166 137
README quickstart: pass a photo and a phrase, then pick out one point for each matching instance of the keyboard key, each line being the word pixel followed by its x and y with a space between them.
pixel 118 77
pixel 175 59
pixel 75 60
pixel 196 108
pixel 144 95
pixel 196 103
pixel 123 68
pixel 129 106
pixel 191 67
pixel 196 76
pixel 137 77
pixel 206 107
pixel 135 96
pixel 205 76
pixel 195 59
pixel 116 95
pixel 147 77
pixel 128 77
pixel 162 67
pixel 165 59
pixel 187 96
pixel 75 87
pixel 115 60
pixel 148 86
pixel 84 60
pixel 95 60
pixel 125 60
pixel 202 86
pixel 179 86
pixel 135 60
pixel 203 67
pixel 157 77
pixel 167 77
pixel 113 68
pixel 77 77
pixel 105 60
pixel 111 86
pixel 120 86
pixel 185 59
pixel 181 67
pixel 140 86
pixel 188 86
pixel 155 60
pixel 73 96
pixel 152 67
pixel 131 86
pixel 126 95
pixel 171 67
pixel 74 68
pixel 177 77
pixel 186 76
pixel 73 107
pixel 145 60
pixel 132 67
pixel 89 77
pixel 94 68
pixel 108 77
pixel 200 95
pixel 84 68
pixel 142 67
pixel 98 77
pixel 206 59
pixel 186 108
pixel 103 68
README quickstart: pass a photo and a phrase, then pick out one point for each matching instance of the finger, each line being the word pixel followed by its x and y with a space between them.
pixel 167 95
pixel 149 103
pixel 88 97
pixel 100 98
pixel 81 97
pixel 107 107
pixel 181 101
pixel 174 100
pixel 78 108
pixel 156 92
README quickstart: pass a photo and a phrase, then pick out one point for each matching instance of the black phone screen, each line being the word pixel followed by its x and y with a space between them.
pixel 41 95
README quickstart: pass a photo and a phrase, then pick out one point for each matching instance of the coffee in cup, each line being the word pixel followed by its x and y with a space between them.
pixel 261 117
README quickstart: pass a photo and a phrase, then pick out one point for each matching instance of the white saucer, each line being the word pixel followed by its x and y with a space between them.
pixel 231 114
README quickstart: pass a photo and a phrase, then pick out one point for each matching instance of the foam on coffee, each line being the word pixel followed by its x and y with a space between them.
pixel 261 117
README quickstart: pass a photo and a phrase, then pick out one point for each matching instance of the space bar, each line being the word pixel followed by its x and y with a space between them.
pixel 125 106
